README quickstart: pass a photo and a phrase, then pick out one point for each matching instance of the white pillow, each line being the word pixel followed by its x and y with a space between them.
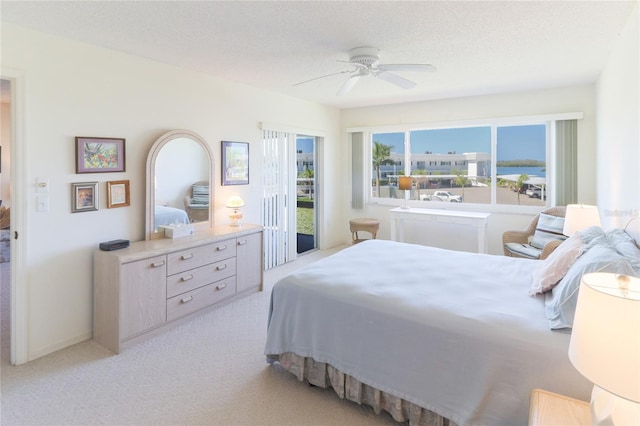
pixel 554 267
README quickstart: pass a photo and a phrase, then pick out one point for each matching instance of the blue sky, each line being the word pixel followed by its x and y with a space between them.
pixel 514 142
pixel 304 143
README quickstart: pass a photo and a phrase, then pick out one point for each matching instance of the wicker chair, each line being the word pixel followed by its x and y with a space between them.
pixel 196 202
pixel 523 237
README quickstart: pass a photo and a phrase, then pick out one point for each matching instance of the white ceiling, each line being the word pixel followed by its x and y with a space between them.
pixel 478 47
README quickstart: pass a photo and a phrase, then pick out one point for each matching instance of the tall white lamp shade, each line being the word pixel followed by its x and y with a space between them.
pixel 578 217
pixel 605 346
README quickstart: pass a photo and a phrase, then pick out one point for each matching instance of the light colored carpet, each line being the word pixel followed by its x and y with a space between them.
pixel 210 371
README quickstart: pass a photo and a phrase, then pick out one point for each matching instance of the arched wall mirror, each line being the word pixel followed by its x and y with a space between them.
pixel 179 182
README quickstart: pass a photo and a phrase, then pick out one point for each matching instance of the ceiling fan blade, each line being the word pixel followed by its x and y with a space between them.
pixel 396 79
pixel 348 84
pixel 407 67
pixel 323 76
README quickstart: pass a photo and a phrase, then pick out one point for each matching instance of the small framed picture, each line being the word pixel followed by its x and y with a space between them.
pixel 117 193
pixel 99 155
pixel 235 163
pixel 84 197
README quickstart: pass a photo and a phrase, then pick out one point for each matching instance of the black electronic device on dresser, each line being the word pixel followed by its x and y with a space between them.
pixel 114 245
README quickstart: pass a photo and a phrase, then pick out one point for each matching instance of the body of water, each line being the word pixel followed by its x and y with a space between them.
pixel 530 171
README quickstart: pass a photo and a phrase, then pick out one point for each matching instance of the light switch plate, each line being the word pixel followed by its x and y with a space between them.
pixel 42 203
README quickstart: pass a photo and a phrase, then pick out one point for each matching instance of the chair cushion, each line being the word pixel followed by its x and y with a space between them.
pixel 200 200
pixel 549 228
pixel 524 250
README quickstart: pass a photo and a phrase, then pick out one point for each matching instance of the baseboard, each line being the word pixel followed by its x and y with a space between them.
pixel 33 355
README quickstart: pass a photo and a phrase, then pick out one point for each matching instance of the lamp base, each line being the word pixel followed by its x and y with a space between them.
pixel 608 409
pixel 235 217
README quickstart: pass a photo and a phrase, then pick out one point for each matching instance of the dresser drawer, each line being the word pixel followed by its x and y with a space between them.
pixel 198 277
pixel 202 297
pixel 184 260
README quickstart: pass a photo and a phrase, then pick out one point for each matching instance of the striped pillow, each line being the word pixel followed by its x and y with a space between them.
pixel 549 228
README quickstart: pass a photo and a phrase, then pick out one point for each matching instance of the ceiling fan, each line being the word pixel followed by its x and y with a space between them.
pixel 366 61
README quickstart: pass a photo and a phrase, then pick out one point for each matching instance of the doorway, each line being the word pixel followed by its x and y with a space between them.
pixel 289 190
pixel 305 194
pixel 5 209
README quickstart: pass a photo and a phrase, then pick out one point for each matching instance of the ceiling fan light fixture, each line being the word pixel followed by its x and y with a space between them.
pixel 367 56
pixel 365 60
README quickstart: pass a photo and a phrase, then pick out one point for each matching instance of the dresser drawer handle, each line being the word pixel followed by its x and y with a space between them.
pixel 241 243
pixel 157 264
pixel 186 299
pixel 220 248
pixel 221 286
pixel 187 256
pixel 221 267
pixel 187 278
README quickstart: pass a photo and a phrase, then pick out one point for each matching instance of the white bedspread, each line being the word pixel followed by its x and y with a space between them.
pixel 453 332
pixel 169 215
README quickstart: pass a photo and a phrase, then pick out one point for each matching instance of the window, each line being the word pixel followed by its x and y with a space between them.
pixel 521 164
pixel 487 164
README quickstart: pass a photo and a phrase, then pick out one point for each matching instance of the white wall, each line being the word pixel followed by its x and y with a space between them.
pixel 618 129
pixel 74 89
pixel 567 99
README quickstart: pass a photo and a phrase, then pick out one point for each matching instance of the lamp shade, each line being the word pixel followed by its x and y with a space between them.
pixel 578 217
pixel 605 340
pixel 235 202
pixel 404 183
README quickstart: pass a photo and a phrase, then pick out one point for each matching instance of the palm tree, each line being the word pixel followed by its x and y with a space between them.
pixel 460 179
pixel 308 174
pixel 381 155
pixel 520 183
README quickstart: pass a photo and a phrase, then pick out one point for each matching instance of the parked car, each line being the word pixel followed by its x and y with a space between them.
pixel 429 197
pixel 534 192
pixel 448 196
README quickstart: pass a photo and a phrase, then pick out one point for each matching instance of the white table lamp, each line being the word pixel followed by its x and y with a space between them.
pixel 578 217
pixel 605 346
pixel 235 202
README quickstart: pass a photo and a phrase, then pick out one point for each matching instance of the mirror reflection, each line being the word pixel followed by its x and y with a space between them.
pixel 179 172
pixel 181 183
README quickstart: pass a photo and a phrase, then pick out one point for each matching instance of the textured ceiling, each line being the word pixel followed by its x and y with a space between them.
pixel 478 47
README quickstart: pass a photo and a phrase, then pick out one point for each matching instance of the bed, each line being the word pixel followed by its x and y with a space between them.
pixel 164 215
pixel 431 336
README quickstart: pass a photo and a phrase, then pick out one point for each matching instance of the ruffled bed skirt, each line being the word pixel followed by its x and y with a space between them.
pixel 324 375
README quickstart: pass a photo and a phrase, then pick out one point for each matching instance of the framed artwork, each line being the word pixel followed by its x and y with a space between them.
pixel 118 193
pixel 84 197
pixel 235 163
pixel 99 155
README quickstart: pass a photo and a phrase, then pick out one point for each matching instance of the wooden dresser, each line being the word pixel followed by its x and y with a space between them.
pixel 151 285
pixel 552 409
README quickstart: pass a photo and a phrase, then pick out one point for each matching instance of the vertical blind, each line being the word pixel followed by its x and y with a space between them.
pixel 357 170
pixel 566 173
pixel 278 187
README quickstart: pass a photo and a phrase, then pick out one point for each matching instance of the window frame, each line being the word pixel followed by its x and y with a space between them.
pixel 547 119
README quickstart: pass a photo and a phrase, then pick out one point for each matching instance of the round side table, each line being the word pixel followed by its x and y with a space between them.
pixel 365 225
